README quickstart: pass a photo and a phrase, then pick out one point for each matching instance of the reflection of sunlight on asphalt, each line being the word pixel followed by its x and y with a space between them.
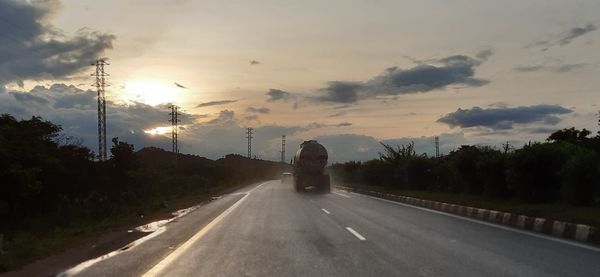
pixel 153 226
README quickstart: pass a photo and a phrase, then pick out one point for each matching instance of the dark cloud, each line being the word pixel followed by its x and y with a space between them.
pixel 340 92
pixel 262 110
pixel 563 68
pixel 566 37
pixel 485 54
pixel 529 68
pixel 180 85
pixel 342 107
pixel 27 97
pixel 438 74
pixel 279 95
pixel 504 118
pixel 33 49
pixel 574 33
pixel 215 103
pixel 75 110
pixel 557 68
pixel 317 125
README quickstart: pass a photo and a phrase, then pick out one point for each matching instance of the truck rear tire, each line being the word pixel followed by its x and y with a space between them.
pixel 298 185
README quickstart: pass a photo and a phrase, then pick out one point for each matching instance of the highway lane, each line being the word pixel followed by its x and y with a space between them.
pixel 274 231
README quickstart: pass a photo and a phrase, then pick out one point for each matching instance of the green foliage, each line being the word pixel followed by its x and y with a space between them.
pixel 581 177
pixel 565 169
pixel 570 135
pixel 47 185
pixel 534 171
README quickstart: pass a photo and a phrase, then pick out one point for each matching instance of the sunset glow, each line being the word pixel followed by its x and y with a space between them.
pixel 150 92
pixel 158 131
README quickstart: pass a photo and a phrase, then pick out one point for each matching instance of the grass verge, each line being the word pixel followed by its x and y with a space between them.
pixel 24 247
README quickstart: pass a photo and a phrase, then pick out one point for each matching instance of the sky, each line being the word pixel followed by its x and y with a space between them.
pixel 350 74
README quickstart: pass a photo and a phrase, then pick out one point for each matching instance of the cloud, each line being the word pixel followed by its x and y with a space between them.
pixel 214 138
pixel 225 116
pixel 262 110
pixel 29 97
pixel 574 33
pixel 566 37
pixel 254 62
pixel 504 118
pixel 251 117
pixel 557 68
pixel 76 111
pixel 485 54
pixel 215 103
pixel 279 95
pixel 435 75
pixel 337 114
pixel 529 68
pixel 340 92
pixel 33 49
pixel 180 85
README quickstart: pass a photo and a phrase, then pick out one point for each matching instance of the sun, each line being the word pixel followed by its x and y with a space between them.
pixel 151 92
pixel 158 131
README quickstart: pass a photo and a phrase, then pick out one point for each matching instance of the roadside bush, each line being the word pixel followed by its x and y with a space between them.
pixel 534 171
pixel 581 176
pixel 464 162
pixel 491 168
pixel 418 173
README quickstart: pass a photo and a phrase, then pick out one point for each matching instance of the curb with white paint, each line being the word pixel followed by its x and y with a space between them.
pixel 550 227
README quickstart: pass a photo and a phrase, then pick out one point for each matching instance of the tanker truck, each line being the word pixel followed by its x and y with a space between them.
pixel 309 162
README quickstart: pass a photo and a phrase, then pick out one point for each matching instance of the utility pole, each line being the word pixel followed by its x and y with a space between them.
pixel 283 149
pixel 437 146
pixel 249 137
pixel 100 88
pixel 174 127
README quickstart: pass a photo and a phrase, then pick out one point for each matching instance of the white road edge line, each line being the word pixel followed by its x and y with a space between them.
pixel 563 241
pixel 156 270
pixel 342 195
pixel 325 211
pixel 356 234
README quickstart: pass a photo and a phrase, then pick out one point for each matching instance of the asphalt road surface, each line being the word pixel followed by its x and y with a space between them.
pixel 270 230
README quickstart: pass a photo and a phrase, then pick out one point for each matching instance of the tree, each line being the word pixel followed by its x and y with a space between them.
pixel 122 155
pixel 570 135
pixel 27 150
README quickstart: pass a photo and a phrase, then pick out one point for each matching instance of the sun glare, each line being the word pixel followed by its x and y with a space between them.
pixel 150 92
pixel 158 131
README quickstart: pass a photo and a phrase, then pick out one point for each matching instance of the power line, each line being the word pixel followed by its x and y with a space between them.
pixel 249 137
pixel 283 149
pixel 100 88
pixel 174 128
pixel 437 146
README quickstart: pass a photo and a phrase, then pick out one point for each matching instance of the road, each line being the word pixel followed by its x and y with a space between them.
pixel 270 230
